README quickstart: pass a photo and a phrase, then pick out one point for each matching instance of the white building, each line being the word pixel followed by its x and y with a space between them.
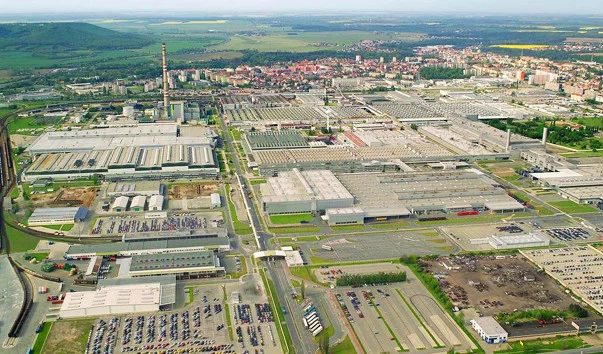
pixel 57 216
pixel 215 200
pixel 156 203
pixel 120 204
pixel 112 301
pixel 489 330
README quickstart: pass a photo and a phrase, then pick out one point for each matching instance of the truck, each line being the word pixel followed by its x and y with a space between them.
pixel 39 328
pixel 317 331
pixel 326 247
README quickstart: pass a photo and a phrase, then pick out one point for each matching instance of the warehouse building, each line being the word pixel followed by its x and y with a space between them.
pixel 533 239
pixel 120 204
pixel 121 296
pixel 304 192
pixel 489 330
pixel 156 203
pixel 138 203
pixel 184 265
pixel 57 216
pixel 157 245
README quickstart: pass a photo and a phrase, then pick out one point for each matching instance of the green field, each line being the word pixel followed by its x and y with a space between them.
pixel 567 206
pixel 285 219
pixel 20 241
pixel 389 225
pixel 33 122
pixel 40 256
pixel 68 336
pixel 302 41
pixel 348 228
pixel 345 347
pixel 62 227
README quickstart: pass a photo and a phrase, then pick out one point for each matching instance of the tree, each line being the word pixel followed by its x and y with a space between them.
pixel 413 126
pixel 25 196
pixel 303 290
pixel 324 343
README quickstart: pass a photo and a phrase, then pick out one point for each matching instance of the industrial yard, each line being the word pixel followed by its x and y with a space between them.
pixel 495 284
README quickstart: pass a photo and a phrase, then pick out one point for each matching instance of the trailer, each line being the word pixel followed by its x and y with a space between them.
pixel 326 247
pixel 315 326
pixel 311 316
pixel 309 310
pixel 317 331
pixel 305 323
pixel 313 321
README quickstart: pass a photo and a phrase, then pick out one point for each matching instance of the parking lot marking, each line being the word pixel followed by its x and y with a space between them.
pixel 400 346
pixel 435 342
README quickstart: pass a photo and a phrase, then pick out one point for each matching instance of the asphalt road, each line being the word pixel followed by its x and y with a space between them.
pixel 302 340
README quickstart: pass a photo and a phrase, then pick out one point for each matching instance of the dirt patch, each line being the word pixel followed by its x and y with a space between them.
pixel 75 197
pixel 193 190
pixel 68 337
pixel 494 285
pixel 503 172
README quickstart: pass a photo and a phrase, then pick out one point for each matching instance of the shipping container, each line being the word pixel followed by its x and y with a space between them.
pixel 463 213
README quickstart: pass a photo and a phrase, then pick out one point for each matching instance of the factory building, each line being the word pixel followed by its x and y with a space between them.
pixel 152 245
pixel 154 151
pixel 138 203
pixel 145 188
pixel 489 330
pixel 304 192
pixel 57 216
pixel 184 265
pixel 121 296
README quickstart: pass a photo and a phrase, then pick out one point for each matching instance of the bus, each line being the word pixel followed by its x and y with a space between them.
pixel 311 316
pixel 305 323
pixel 313 322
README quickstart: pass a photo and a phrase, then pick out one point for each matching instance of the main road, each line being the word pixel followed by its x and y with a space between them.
pixel 301 339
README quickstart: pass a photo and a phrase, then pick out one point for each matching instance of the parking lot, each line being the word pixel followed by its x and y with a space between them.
pixel 379 246
pixel 416 320
pixel 569 234
pixel 463 234
pixel 201 327
pixel 133 224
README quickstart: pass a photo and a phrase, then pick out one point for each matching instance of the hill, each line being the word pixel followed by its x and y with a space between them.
pixel 66 36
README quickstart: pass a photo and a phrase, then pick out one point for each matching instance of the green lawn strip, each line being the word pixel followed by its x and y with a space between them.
pixel 14 194
pixel 41 338
pixel 61 227
pixel 191 296
pixel 290 218
pixel 254 182
pixel 465 220
pixel 228 321
pixel 390 225
pixel 348 228
pixel 418 318
pixel 567 206
pixel 284 336
pixel 294 230
pixel 319 261
pixel 305 272
pixel 545 345
pixel 239 227
pixel 391 332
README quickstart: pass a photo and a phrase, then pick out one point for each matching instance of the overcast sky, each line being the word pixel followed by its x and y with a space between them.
pixel 187 7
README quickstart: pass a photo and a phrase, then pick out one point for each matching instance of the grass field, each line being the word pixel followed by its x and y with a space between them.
pixel 390 225
pixel 254 182
pixel 40 256
pixel 345 347
pixel 567 206
pixel 348 228
pixel 63 227
pixel 68 337
pixel 20 241
pixel 33 122
pixel 290 218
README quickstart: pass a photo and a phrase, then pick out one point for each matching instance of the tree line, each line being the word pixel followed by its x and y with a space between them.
pixel 374 278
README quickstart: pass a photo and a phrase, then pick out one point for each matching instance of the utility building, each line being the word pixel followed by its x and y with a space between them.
pixel 490 331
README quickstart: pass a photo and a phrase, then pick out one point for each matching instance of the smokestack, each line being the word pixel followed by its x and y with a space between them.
pixel 545 134
pixel 166 89
pixel 508 141
pixel 328 123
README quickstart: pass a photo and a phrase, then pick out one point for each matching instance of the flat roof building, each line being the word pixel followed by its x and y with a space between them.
pixel 304 192
pixel 185 265
pixel 489 330
pixel 156 203
pixel 57 216
pixel 217 242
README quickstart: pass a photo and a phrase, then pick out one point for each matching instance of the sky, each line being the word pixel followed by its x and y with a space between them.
pixel 188 7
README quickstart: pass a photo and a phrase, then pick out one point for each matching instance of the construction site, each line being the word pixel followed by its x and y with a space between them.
pixel 495 284
pixel 192 190
pixel 65 197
